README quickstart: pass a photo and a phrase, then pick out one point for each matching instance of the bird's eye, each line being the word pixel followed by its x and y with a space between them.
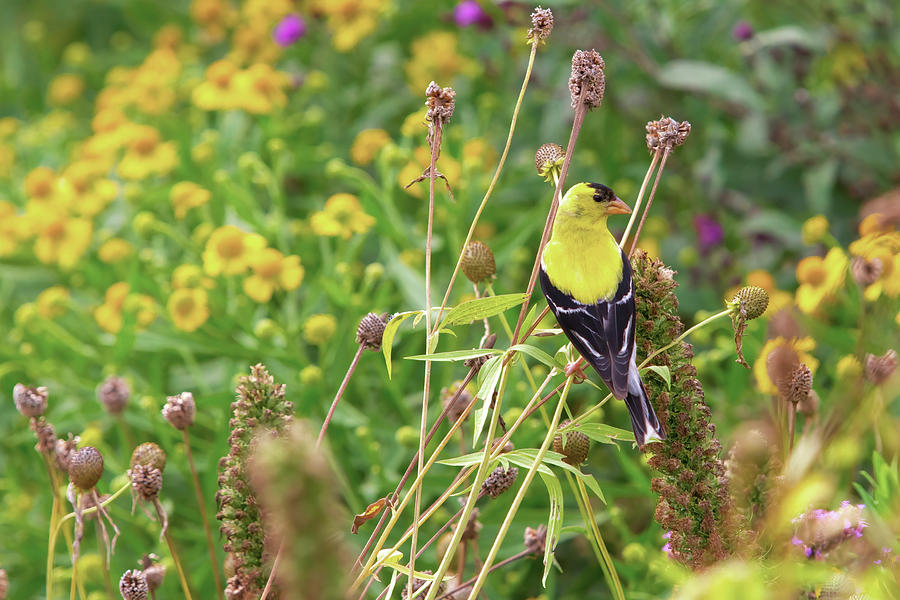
pixel 598 197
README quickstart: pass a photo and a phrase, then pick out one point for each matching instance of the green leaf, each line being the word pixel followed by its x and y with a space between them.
pixel 818 183
pixel 556 459
pixel 663 372
pixel 537 353
pixel 473 458
pixel 481 308
pixel 390 330
pixel 712 79
pixel 525 457
pixel 554 521
pixel 605 434
pixel 489 376
pixel 454 355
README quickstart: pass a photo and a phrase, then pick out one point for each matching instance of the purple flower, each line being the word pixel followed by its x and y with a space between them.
pixel 667 548
pixel 289 30
pixel 742 31
pixel 469 12
pixel 709 231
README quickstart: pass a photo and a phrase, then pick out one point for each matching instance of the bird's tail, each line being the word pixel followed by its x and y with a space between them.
pixel 643 419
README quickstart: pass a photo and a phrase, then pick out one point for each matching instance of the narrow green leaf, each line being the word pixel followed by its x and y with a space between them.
pixel 390 330
pixel 465 460
pixel 490 377
pixel 554 521
pixel 481 308
pixel 455 354
pixel 538 354
pixel 663 372
pixel 605 434
pixel 525 458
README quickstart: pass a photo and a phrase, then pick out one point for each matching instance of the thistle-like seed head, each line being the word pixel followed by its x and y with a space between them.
pixel 114 393
pixel 548 160
pixel 575 447
pixel 666 133
pixel 478 262
pixel 146 481
pixel 755 300
pixel 541 25
pixel 133 585
pixel 440 102
pixel 799 385
pixel 371 330
pixel 150 454
pixel 85 467
pixel 179 410
pixel 499 481
pixel 587 78
pixel 31 402
pixel 880 368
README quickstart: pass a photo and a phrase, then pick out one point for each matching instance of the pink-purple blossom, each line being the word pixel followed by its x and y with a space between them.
pixel 290 29
pixel 469 12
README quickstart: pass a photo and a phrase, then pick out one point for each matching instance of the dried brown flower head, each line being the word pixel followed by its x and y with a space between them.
pixel 371 330
pixel 548 160
pixel 781 363
pixel 146 481
pixel 575 447
pixel 588 81
pixel 30 401
pixel 749 303
pixel 499 481
pixel 541 25
pixel 798 385
pixel 473 527
pixel 150 454
pixel 133 585
pixel 440 102
pixel 666 133
pixel 114 393
pixel 809 406
pixel 63 450
pixel 46 438
pixel 154 572
pixel 476 362
pixel 420 583
pixel 179 410
pixel 880 368
pixel 536 539
pixel 478 262
pixel 866 272
pixel 85 467
pixel 454 402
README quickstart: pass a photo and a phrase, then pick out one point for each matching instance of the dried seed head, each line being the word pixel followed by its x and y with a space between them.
pixel 418 584
pixel 150 454
pixel 85 467
pixel 478 262
pixel 46 438
pixel 114 393
pixel 154 572
pixel 548 160
pixel 133 585
pixel 536 539
pixel 146 481
pixel 755 300
pixel 666 133
pixel 575 447
pixel 440 102
pixel 31 402
pixel 371 330
pixel 588 81
pixel 541 25
pixel 880 368
pixel 499 481
pixel 179 410
pixel 809 406
pixel 476 362
pixel 799 385
pixel 455 404
pixel 473 527
pixel 63 449
pixel 866 272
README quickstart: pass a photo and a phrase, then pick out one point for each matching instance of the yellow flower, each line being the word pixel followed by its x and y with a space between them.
pixel 368 144
pixel 117 301
pixel 879 241
pixel 794 350
pixel 147 155
pixel 190 276
pixel 310 375
pixel 41 184
pixel 342 216
pixel 215 16
pixel 815 229
pixel 7 159
pixel 252 43
pixel 318 329
pixel 188 308
pixel 272 271
pixel 89 193
pixel 260 89
pixel 820 279
pixel 65 89
pixel 53 302
pixel 414 124
pixel 350 21
pixel 848 368
pixel 8 126
pixel 186 195
pixel 435 58
pixel 478 154
pixel 115 250
pixel 217 91
pixel 62 240
pixel 229 251
pixel 12 228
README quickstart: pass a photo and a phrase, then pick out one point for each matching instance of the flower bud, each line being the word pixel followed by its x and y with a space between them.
pixel 499 481
pixel 85 467
pixel 179 410
pixel 541 25
pixel 133 585
pixel 478 262
pixel 371 330
pixel 575 447
pixel 548 160
pixel 150 454
pixel 31 402
pixel 754 299
pixel 114 393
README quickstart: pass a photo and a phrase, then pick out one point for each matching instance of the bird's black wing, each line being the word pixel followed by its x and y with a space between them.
pixel 602 332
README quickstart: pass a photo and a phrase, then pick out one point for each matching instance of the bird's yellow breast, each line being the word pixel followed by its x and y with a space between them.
pixel 583 261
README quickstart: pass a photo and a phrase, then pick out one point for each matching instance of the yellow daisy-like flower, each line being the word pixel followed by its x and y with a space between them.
pixel 186 195
pixel 229 251
pixel 310 375
pixel 342 216
pixel 12 228
pixel 795 349
pixel 252 43
pixel 117 301
pixel 7 159
pixel 190 276
pixel 318 329
pixel 260 89
pixel 272 271
pixel 188 308
pixel 215 16
pixel 814 229
pixel 53 302
pixel 414 124
pixel 115 250
pixel 41 184
pixel 478 154
pixel 62 241
pixel 435 58
pixel 820 279
pixel 848 368
pixel 147 155
pixel 368 144
pixel 90 194
pixel 349 21
pixel 65 89
pixel 879 241
pixel 217 92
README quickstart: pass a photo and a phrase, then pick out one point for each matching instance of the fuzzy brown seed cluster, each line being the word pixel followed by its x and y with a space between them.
pixel 880 368
pixel 478 262
pixel 799 384
pixel 113 394
pixel 371 330
pixel 499 481
pixel 63 450
pixel 588 81
pixel 541 25
pixel 866 272
pixel 440 102
pixel 146 481
pixel 573 445
pixel 150 454
pixel 455 403
pixel 179 410
pixel 31 402
pixel 536 540
pixel 666 133
pixel 85 467
pixel 133 585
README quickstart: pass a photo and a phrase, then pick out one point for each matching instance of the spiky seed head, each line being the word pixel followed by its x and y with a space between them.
pixel 146 481
pixel 666 133
pixel 179 410
pixel 150 454
pixel 85 467
pixel 588 77
pixel 575 447
pixel 866 272
pixel 755 301
pixel 536 539
pixel 499 481
pixel 113 394
pixel 800 384
pixel 31 402
pixel 440 102
pixel 133 585
pixel 880 368
pixel 371 330
pixel 541 25
pixel 478 262
pixel 549 159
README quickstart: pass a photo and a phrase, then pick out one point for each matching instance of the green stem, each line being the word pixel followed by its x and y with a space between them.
pixel 681 337
pixel 178 568
pixel 637 203
pixel 209 543
pixel 609 568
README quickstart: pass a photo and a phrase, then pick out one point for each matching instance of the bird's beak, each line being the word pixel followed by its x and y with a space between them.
pixel 617 207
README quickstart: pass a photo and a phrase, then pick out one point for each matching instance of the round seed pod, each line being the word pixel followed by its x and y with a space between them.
pixel 85 467
pixel 146 481
pixel 371 330
pixel 755 299
pixel 575 447
pixel 478 262
pixel 548 157
pixel 179 410
pixel 114 393
pixel 31 402
pixel 133 585
pixel 499 481
pixel 150 454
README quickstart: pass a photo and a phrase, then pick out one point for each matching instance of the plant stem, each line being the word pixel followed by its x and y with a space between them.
pixel 681 337
pixel 637 234
pixel 501 564
pixel 181 577
pixel 271 579
pixel 637 203
pixel 340 392
pixel 209 542
pixel 609 568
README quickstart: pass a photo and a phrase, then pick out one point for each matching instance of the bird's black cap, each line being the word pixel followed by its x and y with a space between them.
pixel 602 193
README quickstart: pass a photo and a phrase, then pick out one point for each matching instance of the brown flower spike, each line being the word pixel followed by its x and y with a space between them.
pixel 666 133
pixel 541 25
pixel 588 81
pixel 113 394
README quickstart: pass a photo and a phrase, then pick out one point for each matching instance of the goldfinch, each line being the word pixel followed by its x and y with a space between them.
pixel 587 281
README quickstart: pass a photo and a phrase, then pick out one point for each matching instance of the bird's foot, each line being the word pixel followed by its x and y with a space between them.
pixel 576 369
